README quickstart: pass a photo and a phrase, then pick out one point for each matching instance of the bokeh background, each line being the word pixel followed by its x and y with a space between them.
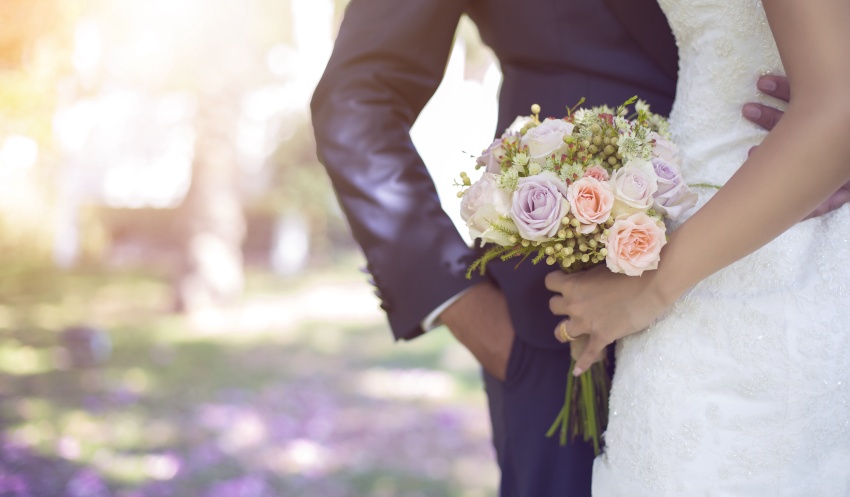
pixel 181 310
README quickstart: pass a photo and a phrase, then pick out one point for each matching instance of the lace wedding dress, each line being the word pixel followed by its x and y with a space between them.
pixel 743 388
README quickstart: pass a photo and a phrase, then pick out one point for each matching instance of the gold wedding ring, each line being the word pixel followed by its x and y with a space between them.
pixel 562 335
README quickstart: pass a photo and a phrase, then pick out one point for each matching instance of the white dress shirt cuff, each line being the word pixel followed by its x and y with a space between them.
pixel 432 320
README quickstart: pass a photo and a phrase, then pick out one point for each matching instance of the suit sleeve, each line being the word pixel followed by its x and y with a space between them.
pixel 388 60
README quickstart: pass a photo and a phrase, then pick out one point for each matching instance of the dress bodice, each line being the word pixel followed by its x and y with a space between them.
pixel 724 46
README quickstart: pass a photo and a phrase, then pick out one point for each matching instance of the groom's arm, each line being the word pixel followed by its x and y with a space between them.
pixel 388 60
pixel 767 117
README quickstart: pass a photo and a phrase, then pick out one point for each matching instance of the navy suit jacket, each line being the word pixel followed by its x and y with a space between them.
pixel 389 59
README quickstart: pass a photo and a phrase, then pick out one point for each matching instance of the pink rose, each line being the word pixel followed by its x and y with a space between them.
pixel 538 205
pixel 634 186
pixel 547 139
pixel 634 244
pixel 664 149
pixel 491 158
pixel 598 172
pixel 673 197
pixel 590 201
pixel 484 205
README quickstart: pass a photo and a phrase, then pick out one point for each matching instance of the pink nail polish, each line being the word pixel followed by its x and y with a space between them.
pixel 577 371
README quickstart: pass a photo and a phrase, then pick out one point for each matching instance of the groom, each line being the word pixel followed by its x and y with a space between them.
pixel 388 61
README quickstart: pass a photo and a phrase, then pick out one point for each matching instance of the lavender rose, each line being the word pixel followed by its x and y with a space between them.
pixel 634 186
pixel 547 139
pixel 483 206
pixel 538 205
pixel 673 197
pixel 491 158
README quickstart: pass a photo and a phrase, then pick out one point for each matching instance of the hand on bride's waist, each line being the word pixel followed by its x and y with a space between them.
pixel 768 117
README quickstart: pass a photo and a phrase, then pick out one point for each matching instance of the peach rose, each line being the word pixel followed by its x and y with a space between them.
pixel 590 201
pixel 597 172
pixel 634 244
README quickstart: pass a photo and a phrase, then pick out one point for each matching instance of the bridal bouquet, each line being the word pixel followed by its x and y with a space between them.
pixel 593 186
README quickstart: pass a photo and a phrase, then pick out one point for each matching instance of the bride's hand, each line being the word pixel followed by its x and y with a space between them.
pixel 603 306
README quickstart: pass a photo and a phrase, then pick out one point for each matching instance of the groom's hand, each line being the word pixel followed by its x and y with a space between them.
pixel 767 117
pixel 481 322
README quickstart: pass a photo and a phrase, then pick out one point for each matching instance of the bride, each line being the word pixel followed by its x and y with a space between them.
pixel 739 383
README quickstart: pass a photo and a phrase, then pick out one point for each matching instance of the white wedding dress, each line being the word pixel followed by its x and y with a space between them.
pixel 743 388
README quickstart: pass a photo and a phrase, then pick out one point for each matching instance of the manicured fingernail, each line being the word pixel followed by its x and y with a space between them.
pixel 767 85
pixel 577 371
pixel 752 111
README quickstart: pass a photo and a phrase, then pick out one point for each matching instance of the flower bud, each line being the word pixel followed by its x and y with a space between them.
pixel 562 234
pixel 593 243
pixel 583 247
pixel 550 251
pixel 575 223
pixel 459 194
pixel 535 109
pixel 559 247
pixel 585 258
pixel 603 252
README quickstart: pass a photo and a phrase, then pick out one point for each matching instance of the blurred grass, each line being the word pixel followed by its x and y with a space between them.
pixel 298 390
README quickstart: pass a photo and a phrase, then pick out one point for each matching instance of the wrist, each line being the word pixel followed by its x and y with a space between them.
pixel 669 282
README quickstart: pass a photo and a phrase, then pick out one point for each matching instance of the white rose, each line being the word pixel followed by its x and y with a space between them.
pixel 634 186
pixel 517 125
pixel 664 149
pixel 547 139
pixel 483 205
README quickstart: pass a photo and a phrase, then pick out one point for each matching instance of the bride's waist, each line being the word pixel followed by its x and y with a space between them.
pixel 713 157
pixel 806 255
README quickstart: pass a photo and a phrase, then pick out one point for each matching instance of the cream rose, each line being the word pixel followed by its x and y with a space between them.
pixel 483 205
pixel 547 139
pixel 517 125
pixel 664 149
pixel 634 244
pixel 634 186
pixel 591 202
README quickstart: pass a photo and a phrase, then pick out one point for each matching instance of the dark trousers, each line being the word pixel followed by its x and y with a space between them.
pixel 522 408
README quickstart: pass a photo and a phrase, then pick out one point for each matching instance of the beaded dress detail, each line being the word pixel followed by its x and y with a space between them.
pixel 743 387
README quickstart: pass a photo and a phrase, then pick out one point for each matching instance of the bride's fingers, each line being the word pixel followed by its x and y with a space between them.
pixel 564 333
pixel 555 281
pixel 588 357
pixel 762 115
pixel 559 305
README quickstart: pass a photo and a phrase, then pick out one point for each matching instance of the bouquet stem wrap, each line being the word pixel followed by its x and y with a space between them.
pixel 585 410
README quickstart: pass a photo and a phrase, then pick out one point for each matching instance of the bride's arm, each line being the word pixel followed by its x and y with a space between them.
pixel 799 164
